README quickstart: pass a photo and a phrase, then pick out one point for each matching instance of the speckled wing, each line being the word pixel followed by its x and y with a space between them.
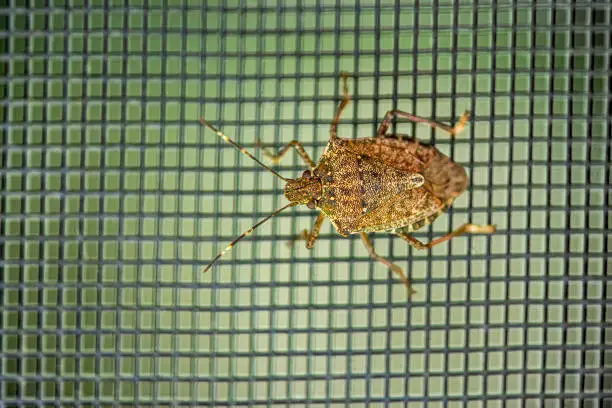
pixel 411 210
pixel 446 179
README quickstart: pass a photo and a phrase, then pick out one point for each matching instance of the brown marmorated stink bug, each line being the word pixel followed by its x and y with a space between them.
pixel 383 183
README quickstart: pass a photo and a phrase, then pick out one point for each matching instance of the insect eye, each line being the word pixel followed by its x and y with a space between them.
pixel 307 174
pixel 311 204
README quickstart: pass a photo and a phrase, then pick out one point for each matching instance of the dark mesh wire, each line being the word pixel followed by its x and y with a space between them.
pixel 113 198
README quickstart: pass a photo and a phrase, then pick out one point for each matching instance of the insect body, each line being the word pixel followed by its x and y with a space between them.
pixel 383 183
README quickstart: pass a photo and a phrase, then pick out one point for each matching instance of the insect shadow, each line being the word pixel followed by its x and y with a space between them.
pixel 381 183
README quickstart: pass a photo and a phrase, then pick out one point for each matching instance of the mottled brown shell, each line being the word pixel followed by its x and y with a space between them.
pixel 385 183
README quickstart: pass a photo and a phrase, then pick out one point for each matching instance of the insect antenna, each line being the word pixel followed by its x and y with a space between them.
pixel 245 234
pixel 237 146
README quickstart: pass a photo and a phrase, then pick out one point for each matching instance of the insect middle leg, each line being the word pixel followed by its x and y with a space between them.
pixel 382 129
pixel 396 269
pixel 333 130
pixel 464 229
pixel 276 157
pixel 311 237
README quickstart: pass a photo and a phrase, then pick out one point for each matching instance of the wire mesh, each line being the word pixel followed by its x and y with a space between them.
pixel 113 198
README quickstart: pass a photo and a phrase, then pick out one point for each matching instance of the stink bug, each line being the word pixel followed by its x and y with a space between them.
pixel 383 183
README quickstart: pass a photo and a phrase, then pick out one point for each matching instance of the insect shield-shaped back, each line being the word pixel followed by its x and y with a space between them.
pixel 304 190
pixel 375 184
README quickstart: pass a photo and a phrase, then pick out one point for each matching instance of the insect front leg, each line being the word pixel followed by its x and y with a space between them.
pixel 382 129
pixel 396 269
pixel 311 237
pixel 464 229
pixel 275 158
pixel 333 130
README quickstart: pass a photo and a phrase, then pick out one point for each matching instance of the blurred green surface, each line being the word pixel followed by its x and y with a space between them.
pixel 113 198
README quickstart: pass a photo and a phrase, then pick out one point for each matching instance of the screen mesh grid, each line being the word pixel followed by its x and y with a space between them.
pixel 113 198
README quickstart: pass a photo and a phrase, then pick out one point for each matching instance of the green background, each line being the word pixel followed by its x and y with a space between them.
pixel 114 198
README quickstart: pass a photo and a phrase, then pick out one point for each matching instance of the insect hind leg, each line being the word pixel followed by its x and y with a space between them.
pixel 453 130
pixel 396 269
pixel 464 229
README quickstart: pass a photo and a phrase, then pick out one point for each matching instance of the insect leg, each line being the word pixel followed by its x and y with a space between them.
pixel 333 130
pixel 311 237
pixel 466 228
pixel 396 269
pixel 382 129
pixel 275 158
pixel 314 234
